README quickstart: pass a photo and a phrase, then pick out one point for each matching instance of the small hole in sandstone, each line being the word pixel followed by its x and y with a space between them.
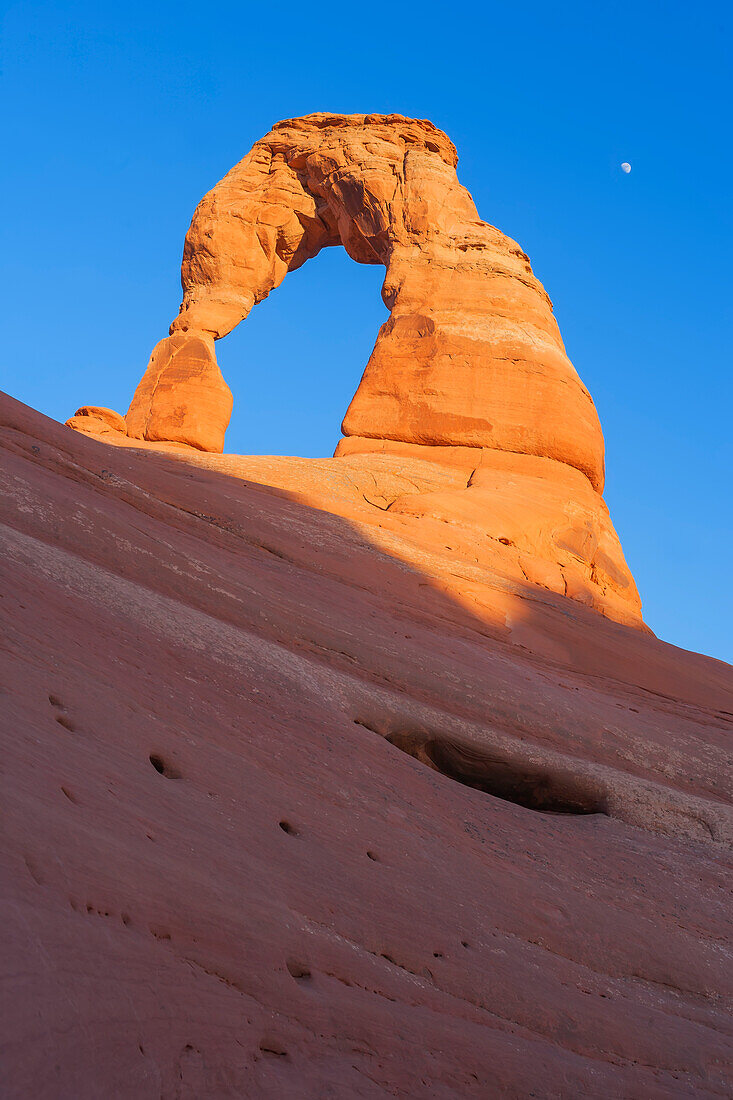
pixel 288 828
pixel 464 943
pixel 55 701
pixel 125 917
pixel 141 1048
pixel 68 794
pixel 66 723
pixel 298 970
pixel 164 768
pixel 506 542
pixel 373 856
pixel 437 954
pixel 273 1047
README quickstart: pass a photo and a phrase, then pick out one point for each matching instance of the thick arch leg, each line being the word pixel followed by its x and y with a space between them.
pixel 182 397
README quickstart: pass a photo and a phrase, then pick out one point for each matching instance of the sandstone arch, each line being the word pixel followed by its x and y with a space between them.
pixel 471 355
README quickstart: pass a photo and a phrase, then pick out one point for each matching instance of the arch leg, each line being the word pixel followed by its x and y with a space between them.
pixel 182 397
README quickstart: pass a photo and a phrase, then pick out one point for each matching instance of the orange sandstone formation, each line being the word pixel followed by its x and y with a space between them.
pixel 182 395
pixel 469 370
pixel 471 354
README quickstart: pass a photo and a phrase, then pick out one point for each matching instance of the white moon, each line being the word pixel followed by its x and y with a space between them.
pixel 626 167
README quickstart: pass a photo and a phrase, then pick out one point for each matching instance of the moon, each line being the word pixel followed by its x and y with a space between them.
pixel 626 167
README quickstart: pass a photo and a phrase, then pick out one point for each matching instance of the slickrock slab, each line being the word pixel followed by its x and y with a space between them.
pixel 300 802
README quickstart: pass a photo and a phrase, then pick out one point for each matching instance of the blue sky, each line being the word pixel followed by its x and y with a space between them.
pixel 118 118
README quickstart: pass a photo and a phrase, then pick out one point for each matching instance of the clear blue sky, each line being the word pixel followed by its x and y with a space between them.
pixel 117 119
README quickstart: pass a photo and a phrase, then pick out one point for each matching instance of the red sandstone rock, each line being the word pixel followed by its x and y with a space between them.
pixel 302 800
pixel 469 371
pixel 325 777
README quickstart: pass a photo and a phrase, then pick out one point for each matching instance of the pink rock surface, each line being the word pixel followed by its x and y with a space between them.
pixel 298 802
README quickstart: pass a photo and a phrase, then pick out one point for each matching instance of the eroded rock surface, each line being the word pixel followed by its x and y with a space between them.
pixel 299 802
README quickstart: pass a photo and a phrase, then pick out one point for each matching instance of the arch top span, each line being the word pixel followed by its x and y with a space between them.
pixel 311 183
pixel 471 355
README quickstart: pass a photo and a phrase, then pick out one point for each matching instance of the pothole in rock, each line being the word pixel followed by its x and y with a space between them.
pixel 525 784
pixel 163 767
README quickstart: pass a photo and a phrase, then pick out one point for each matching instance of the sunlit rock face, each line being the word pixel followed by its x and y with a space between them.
pixel 468 372
pixel 471 354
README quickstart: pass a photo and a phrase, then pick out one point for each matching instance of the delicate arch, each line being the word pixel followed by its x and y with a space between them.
pixel 471 354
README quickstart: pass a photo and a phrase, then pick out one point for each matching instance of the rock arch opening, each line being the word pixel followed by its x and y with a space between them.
pixel 294 366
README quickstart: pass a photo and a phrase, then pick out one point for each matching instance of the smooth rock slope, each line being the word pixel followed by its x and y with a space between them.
pixel 299 801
